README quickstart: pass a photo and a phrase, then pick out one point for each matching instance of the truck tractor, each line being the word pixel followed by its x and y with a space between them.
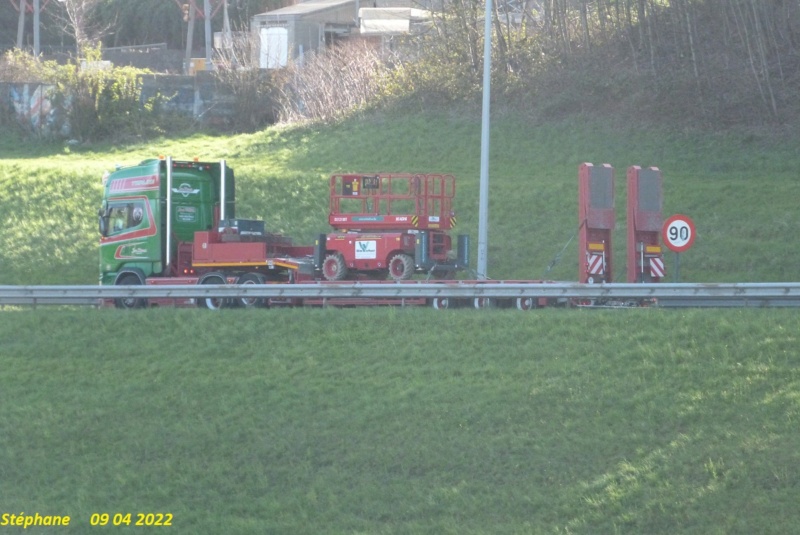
pixel 168 221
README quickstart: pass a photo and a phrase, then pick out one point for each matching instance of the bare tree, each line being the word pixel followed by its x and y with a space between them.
pixel 255 91
pixel 78 19
pixel 334 83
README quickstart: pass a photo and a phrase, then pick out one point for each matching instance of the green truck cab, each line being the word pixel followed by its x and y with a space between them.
pixel 149 208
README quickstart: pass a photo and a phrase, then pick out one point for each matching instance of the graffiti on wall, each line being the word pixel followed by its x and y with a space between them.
pixel 37 108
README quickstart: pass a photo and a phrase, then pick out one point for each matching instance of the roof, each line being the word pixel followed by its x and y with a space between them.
pixel 304 8
pixel 389 20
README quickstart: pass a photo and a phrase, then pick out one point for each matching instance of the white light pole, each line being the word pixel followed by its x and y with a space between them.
pixel 207 15
pixel 21 24
pixel 483 200
pixel 189 37
pixel 36 10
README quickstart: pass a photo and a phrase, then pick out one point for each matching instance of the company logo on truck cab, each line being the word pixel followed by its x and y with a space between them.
pixel 130 251
pixel 186 190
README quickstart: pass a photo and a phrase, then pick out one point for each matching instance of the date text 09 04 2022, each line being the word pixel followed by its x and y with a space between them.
pixel 129 519
pixel 26 521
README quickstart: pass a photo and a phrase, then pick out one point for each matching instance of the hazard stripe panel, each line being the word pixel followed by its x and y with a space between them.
pixel 657 267
pixel 595 266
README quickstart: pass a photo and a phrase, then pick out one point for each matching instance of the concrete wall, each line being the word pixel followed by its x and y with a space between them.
pixel 157 58
pixel 199 96
pixel 42 111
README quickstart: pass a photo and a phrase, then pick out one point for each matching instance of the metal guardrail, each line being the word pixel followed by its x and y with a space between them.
pixel 665 294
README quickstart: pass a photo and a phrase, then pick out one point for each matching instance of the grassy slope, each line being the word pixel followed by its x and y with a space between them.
pixel 740 190
pixel 318 421
pixel 396 421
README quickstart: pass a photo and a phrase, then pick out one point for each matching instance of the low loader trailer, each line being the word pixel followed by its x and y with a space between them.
pixel 174 222
pixel 167 221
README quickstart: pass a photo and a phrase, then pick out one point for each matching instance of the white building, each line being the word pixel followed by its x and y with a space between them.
pixel 286 34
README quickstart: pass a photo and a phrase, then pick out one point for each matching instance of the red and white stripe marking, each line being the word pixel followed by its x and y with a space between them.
pixel 596 266
pixel 657 267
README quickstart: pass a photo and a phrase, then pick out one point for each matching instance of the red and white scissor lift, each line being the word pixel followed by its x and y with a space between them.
pixel 393 225
pixel 645 258
pixel 596 222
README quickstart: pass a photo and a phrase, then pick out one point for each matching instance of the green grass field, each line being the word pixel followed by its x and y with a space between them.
pixel 405 421
pixel 412 420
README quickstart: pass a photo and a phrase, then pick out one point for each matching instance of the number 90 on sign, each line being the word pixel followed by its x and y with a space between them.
pixel 678 233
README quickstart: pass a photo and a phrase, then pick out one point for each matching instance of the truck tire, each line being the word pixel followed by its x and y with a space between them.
pixel 525 303
pixel 251 302
pixel 401 267
pixel 129 279
pixel 482 302
pixel 440 303
pixel 213 303
pixel 334 268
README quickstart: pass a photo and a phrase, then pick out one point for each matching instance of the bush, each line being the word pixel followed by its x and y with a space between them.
pixel 100 103
pixel 334 83
pixel 254 90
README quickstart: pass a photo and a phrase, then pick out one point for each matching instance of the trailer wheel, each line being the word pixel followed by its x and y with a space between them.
pixel 129 302
pixel 525 303
pixel 213 303
pixel 251 302
pixel 333 267
pixel 483 302
pixel 401 267
pixel 440 303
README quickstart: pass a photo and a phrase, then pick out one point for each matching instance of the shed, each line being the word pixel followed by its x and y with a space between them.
pixel 292 31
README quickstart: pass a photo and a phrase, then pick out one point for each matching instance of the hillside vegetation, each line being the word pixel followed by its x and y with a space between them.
pixel 708 63
pixel 740 189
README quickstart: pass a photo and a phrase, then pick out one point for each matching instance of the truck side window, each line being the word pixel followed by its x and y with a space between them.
pixel 125 216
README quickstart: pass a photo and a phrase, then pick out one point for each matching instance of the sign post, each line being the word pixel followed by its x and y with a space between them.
pixel 678 233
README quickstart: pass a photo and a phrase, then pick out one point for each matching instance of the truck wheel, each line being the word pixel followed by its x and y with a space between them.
pixel 401 267
pixel 129 302
pixel 525 303
pixel 440 303
pixel 333 268
pixel 213 303
pixel 483 302
pixel 251 302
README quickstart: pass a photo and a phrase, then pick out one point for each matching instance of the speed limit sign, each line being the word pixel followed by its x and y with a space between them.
pixel 678 233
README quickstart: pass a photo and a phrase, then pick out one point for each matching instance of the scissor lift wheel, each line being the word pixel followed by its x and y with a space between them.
pixel 333 267
pixel 401 267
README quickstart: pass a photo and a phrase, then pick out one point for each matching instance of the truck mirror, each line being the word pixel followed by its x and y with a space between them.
pixel 102 223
